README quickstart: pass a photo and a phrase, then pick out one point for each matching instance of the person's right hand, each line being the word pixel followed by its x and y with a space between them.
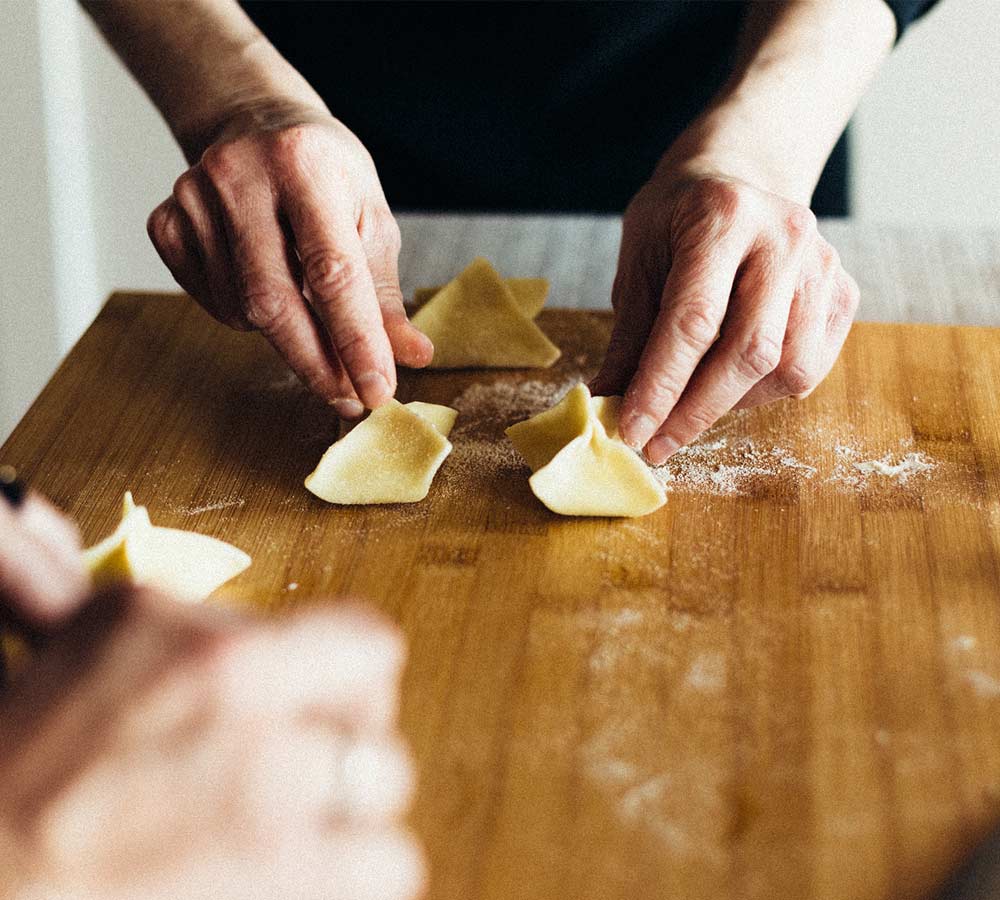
pixel 42 577
pixel 282 226
pixel 155 750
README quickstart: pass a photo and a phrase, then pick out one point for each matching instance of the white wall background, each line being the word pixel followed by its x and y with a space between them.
pixel 86 158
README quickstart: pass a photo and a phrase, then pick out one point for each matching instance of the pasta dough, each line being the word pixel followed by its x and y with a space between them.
pixel 580 465
pixel 475 320
pixel 390 457
pixel 185 564
pixel 529 294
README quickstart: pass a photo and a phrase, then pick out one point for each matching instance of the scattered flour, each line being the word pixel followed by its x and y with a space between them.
pixel 210 507
pixel 984 685
pixel 907 466
pixel 729 464
pixel 707 673
pixel 724 466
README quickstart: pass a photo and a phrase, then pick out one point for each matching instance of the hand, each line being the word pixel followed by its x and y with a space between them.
pixel 42 578
pixel 282 226
pixel 156 750
pixel 726 296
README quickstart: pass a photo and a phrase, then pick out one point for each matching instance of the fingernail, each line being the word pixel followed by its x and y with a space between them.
pixel 348 408
pixel 373 388
pixel 638 429
pixel 660 449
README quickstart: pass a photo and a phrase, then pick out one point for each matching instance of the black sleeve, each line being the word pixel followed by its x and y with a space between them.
pixel 907 11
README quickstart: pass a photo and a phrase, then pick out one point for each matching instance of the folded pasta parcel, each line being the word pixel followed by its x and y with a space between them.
pixel 580 465
pixel 390 457
pixel 480 320
pixel 184 564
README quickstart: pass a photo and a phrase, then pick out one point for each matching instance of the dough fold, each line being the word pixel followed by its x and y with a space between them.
pixel 580 465
pixel 390 457
pixel 477 320
pixel 184 564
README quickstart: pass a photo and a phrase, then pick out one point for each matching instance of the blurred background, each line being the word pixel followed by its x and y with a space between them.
pixel 87 158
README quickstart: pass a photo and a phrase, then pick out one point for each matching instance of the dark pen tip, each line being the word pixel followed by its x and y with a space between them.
pixel 11 487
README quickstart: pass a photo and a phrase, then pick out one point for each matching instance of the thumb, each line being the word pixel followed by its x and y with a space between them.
pixel 635 313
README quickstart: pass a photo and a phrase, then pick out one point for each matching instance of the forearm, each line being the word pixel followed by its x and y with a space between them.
pixel 800 71
pixel 202 62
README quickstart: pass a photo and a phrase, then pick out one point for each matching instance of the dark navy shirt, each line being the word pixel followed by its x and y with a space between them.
pixel 520 106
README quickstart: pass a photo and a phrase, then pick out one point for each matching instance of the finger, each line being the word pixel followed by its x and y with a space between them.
pixel 380 238
pixel 381 865
pixel 341 286
pixel 692 307
pixel 798 370
pixel 205 228
pixel 342 782
pixel 270 296
pixel 51 528
pixel 38 582
pixel 171 234
pixel 843 308
pixel 634 302
pixel 748 351
pixel 821 316
pixel 362 783
pixel 336 667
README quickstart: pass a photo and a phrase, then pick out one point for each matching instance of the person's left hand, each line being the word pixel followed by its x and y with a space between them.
pixel 726 296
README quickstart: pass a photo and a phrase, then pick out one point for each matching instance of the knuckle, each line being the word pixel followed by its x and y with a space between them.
pixel 381 229
pixel 186 191
pixel 722 198
pixel 799 223
pixel 222 162
pixel 844 306
pixel 161 226
pixel 330 273
pixel 661 389
pixel 759 354
pixel 829 259
pixel 264 310
pixel 293 145
pixel 696 323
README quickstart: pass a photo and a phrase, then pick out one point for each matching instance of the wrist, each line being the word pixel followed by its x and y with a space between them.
pixel 733 140
pixel 257 90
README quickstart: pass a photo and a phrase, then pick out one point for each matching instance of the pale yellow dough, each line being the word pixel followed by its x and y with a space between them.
pixel 529 294
pixel 581 466
pixel 476 321
pixel 390 457
pixel 187 565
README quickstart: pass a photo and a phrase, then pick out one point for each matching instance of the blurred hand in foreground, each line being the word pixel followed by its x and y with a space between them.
pixel 154 750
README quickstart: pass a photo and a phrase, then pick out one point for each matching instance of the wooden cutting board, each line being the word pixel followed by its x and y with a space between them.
pixel 784 684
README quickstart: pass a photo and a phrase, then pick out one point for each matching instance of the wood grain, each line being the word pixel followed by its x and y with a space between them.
pixel 784 684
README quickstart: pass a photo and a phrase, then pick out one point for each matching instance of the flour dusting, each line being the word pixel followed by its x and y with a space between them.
pixel 210 507
pixel 984 685
pixel 909 465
